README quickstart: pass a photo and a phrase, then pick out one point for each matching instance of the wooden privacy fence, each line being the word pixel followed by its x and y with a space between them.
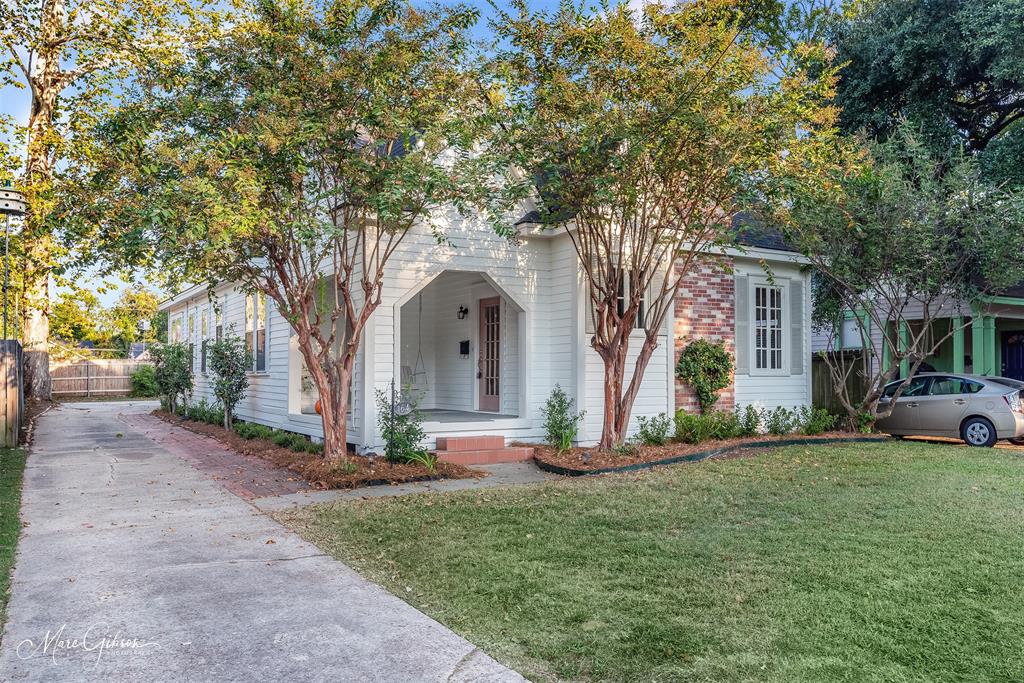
pixel 96 377
pixel 12 401
pixel 822 394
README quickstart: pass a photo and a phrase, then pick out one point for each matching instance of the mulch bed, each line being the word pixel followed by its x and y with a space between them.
pixel 576 461
pixel 319 472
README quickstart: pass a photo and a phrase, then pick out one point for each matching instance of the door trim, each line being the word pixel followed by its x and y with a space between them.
pixel 489 360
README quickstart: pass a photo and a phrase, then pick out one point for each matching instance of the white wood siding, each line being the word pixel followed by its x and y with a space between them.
pixel 793 389
pixel 267 399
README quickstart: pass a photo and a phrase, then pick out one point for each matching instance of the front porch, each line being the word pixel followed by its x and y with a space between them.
pixel 458 357
pixel 990 342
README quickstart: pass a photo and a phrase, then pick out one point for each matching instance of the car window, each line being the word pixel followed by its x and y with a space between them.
pixel 1007 382
pixel 916 387
pixel 972 387
pixel 948 386
pixel 942 386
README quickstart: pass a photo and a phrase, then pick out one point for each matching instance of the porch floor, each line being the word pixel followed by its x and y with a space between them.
pixel 441 415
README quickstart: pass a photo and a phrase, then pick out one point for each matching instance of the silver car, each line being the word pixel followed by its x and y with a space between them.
pixel 979 410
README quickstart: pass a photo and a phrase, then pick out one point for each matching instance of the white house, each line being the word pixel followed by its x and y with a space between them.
pixel 484 328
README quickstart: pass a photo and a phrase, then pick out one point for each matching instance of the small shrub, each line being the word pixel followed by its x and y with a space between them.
pixel 315 448
pixel 724 424
pixel 816 420
pixel 263 431
pixel 230 363
pixel 716 424
pixel 653 431
pixel 624 449
pixel 173 366
pixel 402 433
pixel 781 421
pixel 707 367
pixel 144 382
pixel 560 420
pixel 750 419
pixel 282 439
pixel 425 458
pixel 345 466
pixel 865 422
pixel 202 411
pixel 690 428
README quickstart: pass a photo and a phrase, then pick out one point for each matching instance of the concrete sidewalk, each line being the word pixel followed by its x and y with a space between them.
pixel 134 566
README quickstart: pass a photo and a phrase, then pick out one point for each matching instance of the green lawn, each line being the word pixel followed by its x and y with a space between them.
pixel 857 562
pixel 12 465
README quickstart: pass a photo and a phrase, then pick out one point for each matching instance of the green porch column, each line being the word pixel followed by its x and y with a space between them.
pixel 904 345
pixel 958 344
pixel 991 352
pixel 886 353
pixel 977 342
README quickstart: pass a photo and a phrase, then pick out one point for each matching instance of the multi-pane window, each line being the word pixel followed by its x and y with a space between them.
pixel 204 332
pixel 218 321
pixel 192 340
pixel 256 330
pixel 625 292
pixel 768 328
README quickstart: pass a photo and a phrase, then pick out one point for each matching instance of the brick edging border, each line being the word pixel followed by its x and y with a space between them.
pixel 702 455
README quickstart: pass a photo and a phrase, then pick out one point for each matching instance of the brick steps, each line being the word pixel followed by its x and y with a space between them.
pixel 479 450
pixel 487 456
pixel 469 443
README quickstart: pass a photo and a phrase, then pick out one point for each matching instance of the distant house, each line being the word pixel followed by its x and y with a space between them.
pixel 139 351
pixel 484 328
pixel 985 340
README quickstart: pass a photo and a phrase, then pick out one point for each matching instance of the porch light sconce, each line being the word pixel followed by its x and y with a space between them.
pixel 463 312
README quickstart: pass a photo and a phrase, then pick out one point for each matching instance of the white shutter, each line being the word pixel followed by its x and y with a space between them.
pixel 742 321
pixel 796 325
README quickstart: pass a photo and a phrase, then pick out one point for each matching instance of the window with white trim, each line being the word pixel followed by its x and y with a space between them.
pixel 176 330
pixel 218 320
pixel 256 330
pixel 192 341
pixel 768 328
pixel 622 300
pixel 625 292
pixel 204 336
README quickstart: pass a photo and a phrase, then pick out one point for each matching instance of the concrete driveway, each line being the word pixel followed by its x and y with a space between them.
pixel 134 566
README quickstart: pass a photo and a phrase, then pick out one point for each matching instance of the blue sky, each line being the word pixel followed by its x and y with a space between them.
pixel 15 102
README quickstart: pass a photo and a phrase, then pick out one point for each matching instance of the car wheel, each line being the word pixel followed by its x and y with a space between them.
pixel 1019 441
pixel 978 432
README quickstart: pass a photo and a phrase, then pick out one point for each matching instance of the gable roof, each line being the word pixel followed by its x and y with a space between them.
pixel 748 230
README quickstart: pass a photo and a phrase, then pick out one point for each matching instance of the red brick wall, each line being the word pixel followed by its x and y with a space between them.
pixel 704 310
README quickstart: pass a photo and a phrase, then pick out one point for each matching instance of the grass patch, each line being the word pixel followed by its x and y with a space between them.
pixel 854 561
pixel 12 466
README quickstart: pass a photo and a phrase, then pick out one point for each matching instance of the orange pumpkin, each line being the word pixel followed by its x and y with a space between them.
pixel 317 407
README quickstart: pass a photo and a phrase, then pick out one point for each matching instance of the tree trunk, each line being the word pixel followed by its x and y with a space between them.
pixel 618 403
pixel 46 82
pixel 614 370
pixel 332 384
pixel 35 330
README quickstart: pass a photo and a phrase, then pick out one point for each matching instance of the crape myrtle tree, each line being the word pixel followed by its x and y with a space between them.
pixel 644 133
pixel 293 156
pixel 903 239
pixel 69 56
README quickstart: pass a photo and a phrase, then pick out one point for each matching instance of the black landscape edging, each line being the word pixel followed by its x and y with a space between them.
pixel 701 455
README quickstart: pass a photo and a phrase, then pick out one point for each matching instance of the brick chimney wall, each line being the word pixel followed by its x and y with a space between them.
pixel 704 309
